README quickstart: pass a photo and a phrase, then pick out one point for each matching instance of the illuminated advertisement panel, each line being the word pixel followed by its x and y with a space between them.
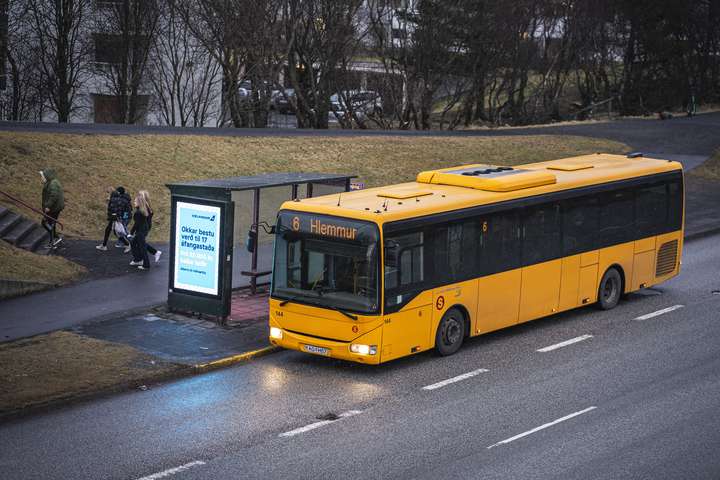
pixel 197 248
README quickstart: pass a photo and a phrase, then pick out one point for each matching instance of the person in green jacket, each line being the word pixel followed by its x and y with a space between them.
pixel 53 201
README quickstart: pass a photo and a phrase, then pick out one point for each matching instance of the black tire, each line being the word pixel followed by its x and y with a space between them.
pixel 450 333
pixel 610 289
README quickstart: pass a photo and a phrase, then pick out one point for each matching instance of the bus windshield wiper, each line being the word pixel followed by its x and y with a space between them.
pixel 347 314
pixel 288 300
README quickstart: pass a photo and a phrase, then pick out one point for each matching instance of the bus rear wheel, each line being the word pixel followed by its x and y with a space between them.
pixel 450 332
pixel 610 289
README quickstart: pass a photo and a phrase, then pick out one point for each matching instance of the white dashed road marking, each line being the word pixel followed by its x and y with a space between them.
pixel 464 376
pixel 322 423
pixel 173 471
pixel 659 312
pixel 565 343
pixel 542 427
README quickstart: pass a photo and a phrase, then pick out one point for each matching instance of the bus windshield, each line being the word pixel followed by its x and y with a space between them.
pixel 326 261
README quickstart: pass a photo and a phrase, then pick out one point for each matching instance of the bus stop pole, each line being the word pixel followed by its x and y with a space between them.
pixel 255 220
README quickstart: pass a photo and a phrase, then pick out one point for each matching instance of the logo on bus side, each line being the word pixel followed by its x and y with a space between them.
pixel 440 302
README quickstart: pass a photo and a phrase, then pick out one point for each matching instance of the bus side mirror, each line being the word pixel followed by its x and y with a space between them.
pixel 251 240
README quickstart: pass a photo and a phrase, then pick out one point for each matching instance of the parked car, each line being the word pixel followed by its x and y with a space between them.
pixel 363 103
pixel 283 100
pixel 246 92
pixel 245 89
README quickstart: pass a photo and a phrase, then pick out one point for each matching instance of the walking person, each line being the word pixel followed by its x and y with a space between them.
pixel 53 202
pixel 142 223
pixel 119 209
pixel 151 250
pixel 139 232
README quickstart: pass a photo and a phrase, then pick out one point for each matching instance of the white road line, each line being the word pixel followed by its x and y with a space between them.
pixel 542 427
pixel 565 343
pixel 322 423
pixel 659 312
pixel 464 376
pixel 173 471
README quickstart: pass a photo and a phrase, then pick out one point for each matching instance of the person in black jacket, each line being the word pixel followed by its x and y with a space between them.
pixel 142 223
pixel 139 232
pixel 118 208
pixel 151 250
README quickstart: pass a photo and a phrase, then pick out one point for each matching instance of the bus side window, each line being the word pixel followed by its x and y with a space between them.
pixel 675 204
pixel 404 261
pixel 651 205
pixel 580 222
pixel 499 242
pixel 617 217
pixel 541 233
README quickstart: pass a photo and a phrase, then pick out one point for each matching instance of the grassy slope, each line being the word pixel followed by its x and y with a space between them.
pixel 87 165
pixel 710 169
pixel 17 264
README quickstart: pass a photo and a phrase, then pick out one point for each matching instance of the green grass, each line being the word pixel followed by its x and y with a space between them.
pixel 88 164
pixel 24 266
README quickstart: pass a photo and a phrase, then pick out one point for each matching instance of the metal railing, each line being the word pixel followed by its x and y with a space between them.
pixel 19 202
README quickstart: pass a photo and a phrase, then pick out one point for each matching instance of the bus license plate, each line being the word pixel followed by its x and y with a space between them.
pixel 316 350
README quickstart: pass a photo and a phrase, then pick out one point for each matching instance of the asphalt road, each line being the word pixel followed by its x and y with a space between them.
pixel 637 399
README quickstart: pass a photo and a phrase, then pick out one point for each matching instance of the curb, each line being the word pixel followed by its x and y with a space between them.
pixel 17 288
pixel 235 359
pixel 183 371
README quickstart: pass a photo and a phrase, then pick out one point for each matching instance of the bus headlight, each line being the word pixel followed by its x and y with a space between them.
pixel 275 333
pixel 363 349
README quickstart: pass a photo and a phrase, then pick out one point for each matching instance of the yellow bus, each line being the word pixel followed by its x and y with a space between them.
pixel 378 274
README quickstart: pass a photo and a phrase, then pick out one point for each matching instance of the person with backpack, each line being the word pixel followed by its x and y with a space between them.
pixel 119 209
pixel 53 202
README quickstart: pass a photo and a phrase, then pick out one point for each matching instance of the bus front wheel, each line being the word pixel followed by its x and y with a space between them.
pixel 610 289
pixel 450 332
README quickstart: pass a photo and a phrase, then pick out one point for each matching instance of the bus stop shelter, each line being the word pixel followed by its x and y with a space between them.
pixel 211 221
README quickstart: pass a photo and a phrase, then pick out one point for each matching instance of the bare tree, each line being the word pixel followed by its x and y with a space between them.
pixel 321 35
pixel 184 77
pixel 125 30
pixel 219 25
pixel 24 96
pixel 59 32
pixel 422 44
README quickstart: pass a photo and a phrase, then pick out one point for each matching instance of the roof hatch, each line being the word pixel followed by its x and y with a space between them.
pixel 489 178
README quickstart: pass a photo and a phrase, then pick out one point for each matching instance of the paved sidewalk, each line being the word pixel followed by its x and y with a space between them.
pixel 190 340
pixel 97 300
